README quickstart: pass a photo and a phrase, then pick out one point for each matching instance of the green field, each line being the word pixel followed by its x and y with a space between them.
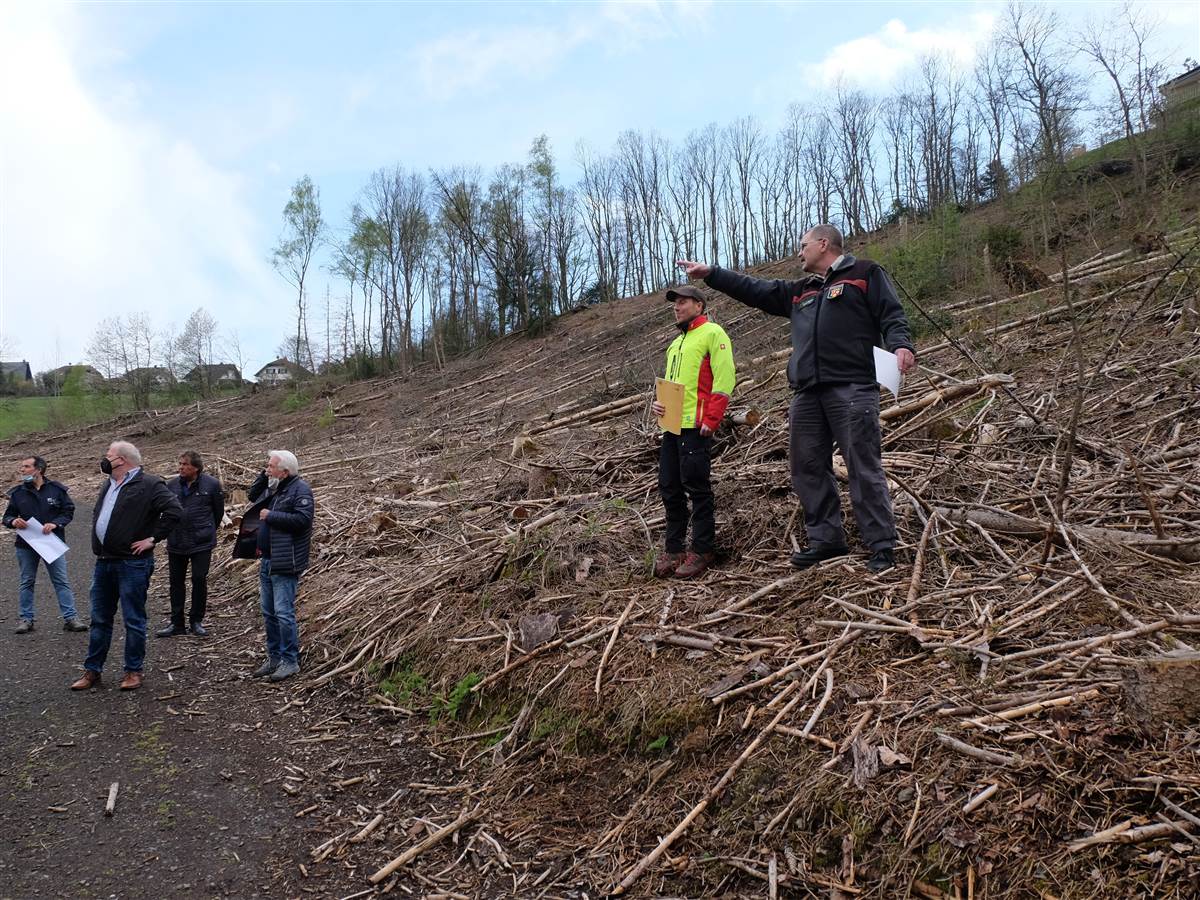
pixel 22 415
pixel 27 415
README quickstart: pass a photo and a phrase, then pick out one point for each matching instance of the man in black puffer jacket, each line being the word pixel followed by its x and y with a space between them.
pixel 133 512
pixel 277 529
pixel 839 313
pixel 192 541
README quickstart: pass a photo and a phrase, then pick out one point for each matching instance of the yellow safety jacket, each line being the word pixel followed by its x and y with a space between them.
pixel 701 359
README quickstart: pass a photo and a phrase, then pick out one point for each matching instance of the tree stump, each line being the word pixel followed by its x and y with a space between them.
pixel 542 482
pixel 1162 690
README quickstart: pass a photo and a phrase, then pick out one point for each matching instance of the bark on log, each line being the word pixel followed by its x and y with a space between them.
pixel 1163 690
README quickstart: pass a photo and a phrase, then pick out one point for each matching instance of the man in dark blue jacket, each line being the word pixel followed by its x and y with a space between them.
pixel 277 529
pixel 192 541
pixel 37 497
pixel 843 309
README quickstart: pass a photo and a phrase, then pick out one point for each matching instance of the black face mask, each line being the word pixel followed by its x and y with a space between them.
pixel 105 465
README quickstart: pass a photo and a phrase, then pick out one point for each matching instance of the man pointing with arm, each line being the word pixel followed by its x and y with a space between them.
pixel 844 308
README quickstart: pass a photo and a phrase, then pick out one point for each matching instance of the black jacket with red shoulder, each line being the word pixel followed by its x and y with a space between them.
pixel 836 320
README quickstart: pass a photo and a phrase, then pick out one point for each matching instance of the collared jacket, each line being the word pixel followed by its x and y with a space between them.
pixel 701 359
pixel 50 504
pixel 288 531
pixel 145 508
pixel 203 508
pixel 836 319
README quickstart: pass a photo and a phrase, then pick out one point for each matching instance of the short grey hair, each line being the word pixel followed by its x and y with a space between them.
pixel 132 454
pixel 828 233
pixel 287 460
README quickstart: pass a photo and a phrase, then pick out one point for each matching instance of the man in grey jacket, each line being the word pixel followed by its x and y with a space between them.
pixel 844 308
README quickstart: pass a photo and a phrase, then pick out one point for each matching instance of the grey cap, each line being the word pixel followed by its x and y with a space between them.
pixel 686 290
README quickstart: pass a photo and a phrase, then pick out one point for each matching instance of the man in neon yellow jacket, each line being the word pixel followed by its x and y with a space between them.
pixel 701 359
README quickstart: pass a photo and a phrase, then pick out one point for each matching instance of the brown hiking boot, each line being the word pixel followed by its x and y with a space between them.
pixel 667 563
pixel 694 566
pixel 132 681
pixel 88 680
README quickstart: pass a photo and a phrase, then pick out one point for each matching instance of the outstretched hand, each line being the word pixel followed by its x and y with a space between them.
pixel 697 270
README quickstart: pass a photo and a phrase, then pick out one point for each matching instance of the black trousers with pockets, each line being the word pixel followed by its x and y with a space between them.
pixel 683 476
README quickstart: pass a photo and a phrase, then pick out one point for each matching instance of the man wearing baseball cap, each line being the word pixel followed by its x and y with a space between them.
pixel 701 359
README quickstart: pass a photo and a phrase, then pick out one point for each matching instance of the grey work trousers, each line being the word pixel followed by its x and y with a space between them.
pixel 848 414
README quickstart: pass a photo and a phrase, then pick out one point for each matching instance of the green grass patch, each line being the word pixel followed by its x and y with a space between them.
pixel 294 400
pixel 457 701
pixel 404 683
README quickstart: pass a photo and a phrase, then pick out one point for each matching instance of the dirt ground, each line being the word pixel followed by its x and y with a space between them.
pixel 200 752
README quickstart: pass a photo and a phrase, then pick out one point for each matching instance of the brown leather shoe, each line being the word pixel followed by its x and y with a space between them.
pixel 132 681
pixel 694 566
pixel 667 563
pixel 87 681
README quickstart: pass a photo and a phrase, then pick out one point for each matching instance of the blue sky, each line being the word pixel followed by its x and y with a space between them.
pixel 148 148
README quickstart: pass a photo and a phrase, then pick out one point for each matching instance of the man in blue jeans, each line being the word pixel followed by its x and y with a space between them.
pixel 39 498
pixel 277 530
pixel 134 511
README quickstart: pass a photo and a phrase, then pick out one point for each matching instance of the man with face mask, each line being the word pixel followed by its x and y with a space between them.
pixel 37 497
pixel 134 511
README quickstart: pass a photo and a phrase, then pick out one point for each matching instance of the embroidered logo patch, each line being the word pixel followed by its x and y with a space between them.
pixel 722 347
pixel 835 291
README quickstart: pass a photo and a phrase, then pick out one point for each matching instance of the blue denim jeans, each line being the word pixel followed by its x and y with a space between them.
pixel 277 597
pixel 120 582
pixel 28 560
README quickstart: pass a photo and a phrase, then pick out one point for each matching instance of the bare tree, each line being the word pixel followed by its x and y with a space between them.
pixel 303 229
pixel 1119 46
pixel 1044 83
pixel 195 347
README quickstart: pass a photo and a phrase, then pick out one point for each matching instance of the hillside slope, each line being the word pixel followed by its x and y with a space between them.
pixel 1000 715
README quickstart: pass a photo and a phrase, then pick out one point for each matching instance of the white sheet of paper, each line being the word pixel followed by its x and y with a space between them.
pixel 887 371
pixel 48 546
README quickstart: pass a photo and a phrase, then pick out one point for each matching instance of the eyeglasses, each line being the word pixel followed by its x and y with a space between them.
pixel 804 244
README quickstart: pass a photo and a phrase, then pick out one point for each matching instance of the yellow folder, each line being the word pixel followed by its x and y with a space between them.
pixel 670 395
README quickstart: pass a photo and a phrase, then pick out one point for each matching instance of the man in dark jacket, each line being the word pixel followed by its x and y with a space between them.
pixel 192 541
pixel 134 511
pixel 838 314
pixel 48 503
pixel 277 529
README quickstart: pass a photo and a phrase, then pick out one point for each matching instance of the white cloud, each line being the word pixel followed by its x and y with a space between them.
pixel 476 59
pixel 877 60
pixel 479 60
pixel 105 213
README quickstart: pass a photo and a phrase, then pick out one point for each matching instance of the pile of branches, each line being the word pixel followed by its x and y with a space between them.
pixel 1011 711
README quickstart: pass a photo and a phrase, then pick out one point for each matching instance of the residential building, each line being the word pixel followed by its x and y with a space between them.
pixel 281 370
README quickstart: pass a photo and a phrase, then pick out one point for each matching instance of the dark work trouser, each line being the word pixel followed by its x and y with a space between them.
pixel 849 415
pixel 683 467
pixel 178 566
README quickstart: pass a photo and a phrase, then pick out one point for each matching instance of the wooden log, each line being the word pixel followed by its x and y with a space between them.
pixel 997 520
pixel 111 806
pixel 438 836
